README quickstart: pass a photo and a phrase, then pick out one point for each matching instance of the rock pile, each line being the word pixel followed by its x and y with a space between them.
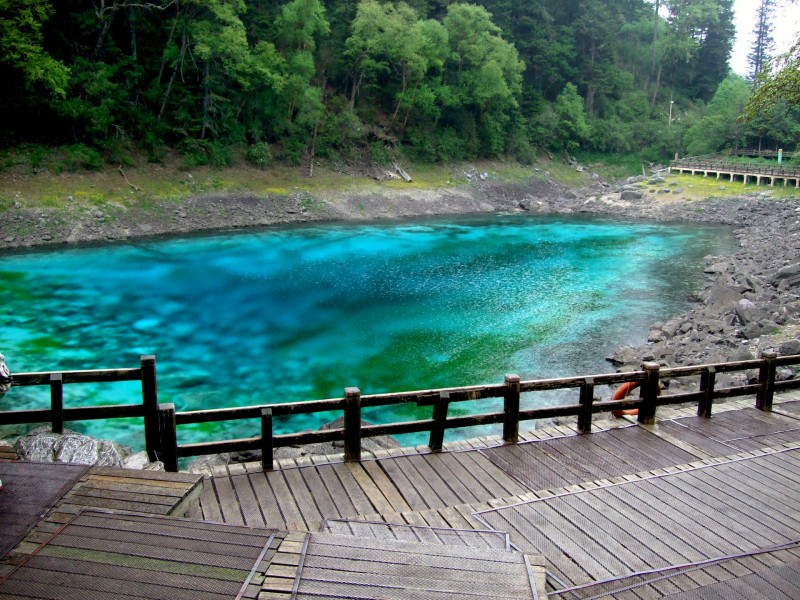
pixel 42 445
pixel 751 301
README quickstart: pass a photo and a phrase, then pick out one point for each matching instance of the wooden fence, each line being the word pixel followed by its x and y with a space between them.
pixel 57 414
pixel 162 420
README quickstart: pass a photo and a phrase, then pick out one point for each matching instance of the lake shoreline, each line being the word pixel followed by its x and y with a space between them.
pixel 746 306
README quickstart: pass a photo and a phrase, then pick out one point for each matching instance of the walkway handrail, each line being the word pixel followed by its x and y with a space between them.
pixel 57 414
pixel 741 168
pixel 352 403
pixel 162 420
pixel 758 153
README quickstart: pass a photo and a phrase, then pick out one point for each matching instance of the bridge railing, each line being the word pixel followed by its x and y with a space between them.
pixel 754 153
pixel 161 421
pixel 730 166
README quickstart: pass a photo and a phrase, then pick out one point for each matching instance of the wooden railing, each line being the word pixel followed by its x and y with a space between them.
pixel 162 421
pixel 759 153
pixel 353 402
pixel 57 414
pixel 730 166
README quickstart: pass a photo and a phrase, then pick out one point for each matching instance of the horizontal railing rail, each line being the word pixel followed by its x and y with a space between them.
pixel 735 167
pixel 759 153
pixel 162 420
pixel 58 414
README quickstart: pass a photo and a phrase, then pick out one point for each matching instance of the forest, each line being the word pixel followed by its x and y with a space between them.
pixel 431 80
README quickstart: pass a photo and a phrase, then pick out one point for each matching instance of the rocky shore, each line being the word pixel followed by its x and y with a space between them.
pixel 750 302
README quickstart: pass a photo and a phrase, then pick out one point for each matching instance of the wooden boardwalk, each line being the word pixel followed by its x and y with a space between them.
pixel 611 504
pixel 746 173
pixel 687 508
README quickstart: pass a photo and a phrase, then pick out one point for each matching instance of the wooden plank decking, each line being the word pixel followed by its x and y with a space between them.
pixel 686 508
pixel 29 491
pixel 80 488
pixel 605 505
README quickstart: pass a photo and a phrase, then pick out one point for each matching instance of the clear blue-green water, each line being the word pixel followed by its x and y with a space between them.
pixel 300 313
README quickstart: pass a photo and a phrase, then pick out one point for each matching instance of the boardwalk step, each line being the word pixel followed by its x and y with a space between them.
pixel 368 567
pixel 426 534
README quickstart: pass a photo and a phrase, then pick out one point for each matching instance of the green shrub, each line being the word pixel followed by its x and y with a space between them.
pixel 218 154
pixel 380 153
pixel 259 155
pixel 193 153
pixel 77 157
pixel 36 157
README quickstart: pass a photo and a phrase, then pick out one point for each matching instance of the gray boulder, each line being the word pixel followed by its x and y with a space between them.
pixel 631 195
pixel 788 275
pixel 756 329
pixel 789 348
pixel 747 312
pixel 625 356
pixel 42 445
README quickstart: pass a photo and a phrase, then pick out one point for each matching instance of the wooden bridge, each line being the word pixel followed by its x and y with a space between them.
pixel 682 504
pixel 732 171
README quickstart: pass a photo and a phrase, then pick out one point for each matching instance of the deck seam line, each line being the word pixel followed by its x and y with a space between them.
pixel 687 567
pixel 256 564
pixel 636 478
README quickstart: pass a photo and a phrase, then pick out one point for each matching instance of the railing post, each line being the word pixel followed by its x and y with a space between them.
pixel 766 379
pixel 586 401
pixel 649 393
pixel 266 439
pixel 150 405
pixel 707 381
pixel 439 421
pixel 352 424
pixel 511 409
pixel 57 402
pixel 169 437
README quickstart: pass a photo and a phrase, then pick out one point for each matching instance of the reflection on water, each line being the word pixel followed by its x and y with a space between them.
pixel 300 313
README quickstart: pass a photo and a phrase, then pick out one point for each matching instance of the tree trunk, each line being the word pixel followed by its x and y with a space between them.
pixel 105 25
pixel 355 89
pixel 313 151
pixel 184 46
pixel 403 89
pixel 132 27
pixel 655 87
pixel 169 41
pixel 654 58
pixel 206 98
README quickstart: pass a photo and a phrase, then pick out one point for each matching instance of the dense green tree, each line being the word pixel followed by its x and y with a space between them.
pixel 21 46
pixel 435 78
pixel 779 81
pixel 570 119
pixel 719 128
pixel 713 53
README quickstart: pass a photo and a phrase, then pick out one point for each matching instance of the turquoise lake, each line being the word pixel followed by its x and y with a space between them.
pixel 299 313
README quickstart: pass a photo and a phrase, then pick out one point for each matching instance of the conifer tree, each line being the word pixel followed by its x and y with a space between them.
pixel 763 43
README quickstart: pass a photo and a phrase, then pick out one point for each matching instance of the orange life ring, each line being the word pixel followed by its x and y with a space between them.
pixel 622 391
